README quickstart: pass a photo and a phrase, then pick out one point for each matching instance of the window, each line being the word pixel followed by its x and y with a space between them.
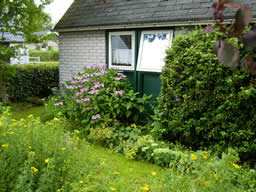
pixel 121 50
pixel 153 45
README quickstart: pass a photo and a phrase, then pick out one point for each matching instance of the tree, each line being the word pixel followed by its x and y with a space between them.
pixel 19 17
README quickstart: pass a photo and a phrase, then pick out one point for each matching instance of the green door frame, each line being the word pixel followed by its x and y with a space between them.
pixel 137 75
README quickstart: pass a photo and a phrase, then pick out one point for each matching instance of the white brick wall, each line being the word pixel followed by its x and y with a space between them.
pixel 78 49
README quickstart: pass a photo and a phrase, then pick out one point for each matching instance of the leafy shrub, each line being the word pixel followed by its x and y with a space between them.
pixel 49 55
pixel 40 157
pixel 99 93
pixel 203 104
pixel 32 80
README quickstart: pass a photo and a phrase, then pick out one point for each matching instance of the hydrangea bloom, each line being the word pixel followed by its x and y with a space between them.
pixel 96 116
pixel 59 103
pixel 72 87
pixel 94 91
pixel 82 100
pixel 119 92
pixel 89 108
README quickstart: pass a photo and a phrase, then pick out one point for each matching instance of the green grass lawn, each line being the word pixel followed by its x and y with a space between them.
pixel 22 110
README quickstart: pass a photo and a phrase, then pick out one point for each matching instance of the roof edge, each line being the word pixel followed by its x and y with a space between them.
pixel 145 25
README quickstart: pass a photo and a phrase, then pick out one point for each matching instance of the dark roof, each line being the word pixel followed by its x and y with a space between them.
pixel 8 37
pixel 95 13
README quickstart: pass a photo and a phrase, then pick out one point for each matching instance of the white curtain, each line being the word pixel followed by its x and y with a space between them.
pixel 121 56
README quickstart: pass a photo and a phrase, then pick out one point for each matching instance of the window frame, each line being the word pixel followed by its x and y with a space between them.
pixel 141 45
pixel 129 68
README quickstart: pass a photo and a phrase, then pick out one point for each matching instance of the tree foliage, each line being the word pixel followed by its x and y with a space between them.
pixel 23 18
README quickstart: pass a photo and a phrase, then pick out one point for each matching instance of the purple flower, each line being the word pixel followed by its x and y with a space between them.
pixel 72 87
pixel 118 78
pixel 84 90
pixel 97 85
pixel 96 116
pixel 94 91
pixel 78 93
pixel 82 100
pixel 108 89
pixel 59 103
pixel 84 80
pixel 121 75
pixel 119 92
pixel 73 82
pixel 89 108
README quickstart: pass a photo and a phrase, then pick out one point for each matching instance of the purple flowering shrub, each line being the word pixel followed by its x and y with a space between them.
pixel 98 93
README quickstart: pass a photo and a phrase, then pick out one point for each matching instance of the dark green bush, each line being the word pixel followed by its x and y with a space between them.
pixel 32 80
pixel 49 55
pixel 203 104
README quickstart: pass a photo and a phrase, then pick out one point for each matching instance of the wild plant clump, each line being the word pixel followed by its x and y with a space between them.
pixel 39 157
pixel 98 93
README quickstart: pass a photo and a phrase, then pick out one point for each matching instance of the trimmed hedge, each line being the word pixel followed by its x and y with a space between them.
pixel 32 80
pixel 50 55
pixel 202 104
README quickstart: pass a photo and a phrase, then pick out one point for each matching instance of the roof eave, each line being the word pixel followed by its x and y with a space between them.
pixel 146 25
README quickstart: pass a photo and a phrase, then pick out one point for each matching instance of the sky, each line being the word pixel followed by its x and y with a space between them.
pixel 57 9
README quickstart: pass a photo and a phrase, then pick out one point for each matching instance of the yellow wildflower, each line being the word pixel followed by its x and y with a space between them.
pixel 56 119
pixel 77 138
pixel 77 132
pixel 113 189
pixel 81 182
pixel 193 157
pixel 116 173
pixel 215 175
pixel 5 146
pixel 154 173
pixel 207 184
pixel 33 153
pixel 46 160
pixel 146 188
pixel 236 166
pixel 34 169
pixel 203 155
pixel 63 149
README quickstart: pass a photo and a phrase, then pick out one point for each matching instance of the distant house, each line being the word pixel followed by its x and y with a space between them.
pixel 10 40
pixel 47 43
pixel 131 35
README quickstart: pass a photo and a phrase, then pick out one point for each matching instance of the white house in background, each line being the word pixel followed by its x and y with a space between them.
pixel 22 56
pixel 47 43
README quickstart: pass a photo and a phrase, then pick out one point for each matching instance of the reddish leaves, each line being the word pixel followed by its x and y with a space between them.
pixel 242 19
pixel 250 64
pixel 227 54
pixel 250 39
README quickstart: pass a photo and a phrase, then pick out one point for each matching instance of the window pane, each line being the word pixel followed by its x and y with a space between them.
pixel 121 46
pixel 153 50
